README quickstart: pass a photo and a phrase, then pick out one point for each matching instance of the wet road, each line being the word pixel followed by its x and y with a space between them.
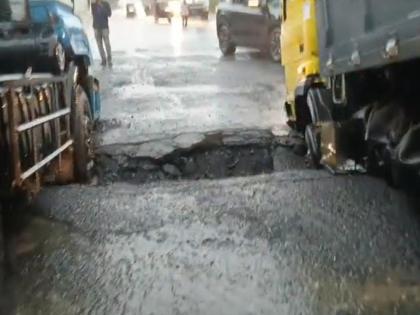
pixel 294 241
pixel 176 82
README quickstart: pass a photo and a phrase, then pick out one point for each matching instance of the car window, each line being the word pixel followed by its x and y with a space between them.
pixel 39 14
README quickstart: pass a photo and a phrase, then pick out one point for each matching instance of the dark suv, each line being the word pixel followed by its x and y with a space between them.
pixel 249 23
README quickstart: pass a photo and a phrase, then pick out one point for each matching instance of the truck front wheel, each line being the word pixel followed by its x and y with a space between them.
pixel 313 143
pixel 82 132
pixel 319 104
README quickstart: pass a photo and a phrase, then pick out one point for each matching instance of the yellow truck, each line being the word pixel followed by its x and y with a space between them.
pixel 352 71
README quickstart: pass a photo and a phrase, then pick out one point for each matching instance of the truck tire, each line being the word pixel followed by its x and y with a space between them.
pixel 225 40
pixel 313 142
pixel 82 133
pixel 319 103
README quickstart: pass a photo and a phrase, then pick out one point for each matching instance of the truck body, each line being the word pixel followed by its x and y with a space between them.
pixel 46 120
pixel 351 71
pixel 364 34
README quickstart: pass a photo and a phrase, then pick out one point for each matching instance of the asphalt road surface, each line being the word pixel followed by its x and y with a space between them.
pixel 222 219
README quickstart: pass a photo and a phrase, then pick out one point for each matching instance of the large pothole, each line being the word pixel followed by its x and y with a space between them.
pixel 197 156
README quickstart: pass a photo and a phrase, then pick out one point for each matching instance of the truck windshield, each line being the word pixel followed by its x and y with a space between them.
pixel 12 10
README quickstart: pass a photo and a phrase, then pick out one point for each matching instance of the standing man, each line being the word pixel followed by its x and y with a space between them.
pixel 101 11
pixel 185 12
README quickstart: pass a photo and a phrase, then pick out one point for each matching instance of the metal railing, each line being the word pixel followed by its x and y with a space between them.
pixel 36 125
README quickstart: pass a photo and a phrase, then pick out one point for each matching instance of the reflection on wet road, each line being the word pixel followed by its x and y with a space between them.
pixel 258 245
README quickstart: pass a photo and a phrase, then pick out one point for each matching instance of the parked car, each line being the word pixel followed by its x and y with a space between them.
pixel 24 44
pixel 161 10
pixel 130 9
pixel 199 8
pixel 249 23
pixel 67 27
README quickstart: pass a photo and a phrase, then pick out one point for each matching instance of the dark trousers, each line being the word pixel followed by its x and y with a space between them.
pixel 184 21
pixel 102 36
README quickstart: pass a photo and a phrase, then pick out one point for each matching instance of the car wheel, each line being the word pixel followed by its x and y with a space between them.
pixel 274 45
pixel 82 134
pixel 59 59
pixel 225 40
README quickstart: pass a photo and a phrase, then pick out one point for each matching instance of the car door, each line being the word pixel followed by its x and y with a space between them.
pixel 41 23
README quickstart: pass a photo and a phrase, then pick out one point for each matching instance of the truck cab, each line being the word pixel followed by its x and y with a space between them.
pixel 299 51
